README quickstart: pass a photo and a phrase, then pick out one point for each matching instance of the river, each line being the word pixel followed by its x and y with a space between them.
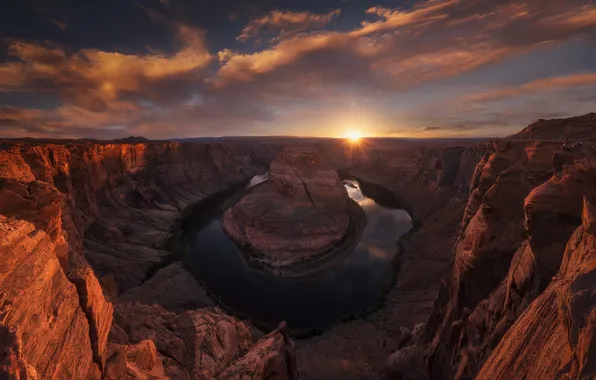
pixel 311 302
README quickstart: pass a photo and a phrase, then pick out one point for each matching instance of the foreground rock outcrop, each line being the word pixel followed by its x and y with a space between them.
pixel 206 343
pixel 297 218
pixel 44 332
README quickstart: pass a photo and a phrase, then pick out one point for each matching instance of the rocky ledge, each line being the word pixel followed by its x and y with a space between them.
pixel 299 216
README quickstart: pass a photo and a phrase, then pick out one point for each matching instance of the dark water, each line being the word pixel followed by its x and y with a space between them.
pixel 312 302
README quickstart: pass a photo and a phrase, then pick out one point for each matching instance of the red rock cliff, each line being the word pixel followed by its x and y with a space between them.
pixel 526 201
pixel 110 204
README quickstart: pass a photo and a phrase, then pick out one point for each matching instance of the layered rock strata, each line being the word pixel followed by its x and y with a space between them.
pixel 495 316
pixel 298 216
pixel 206 343
pixel 114 205
pixel 517 223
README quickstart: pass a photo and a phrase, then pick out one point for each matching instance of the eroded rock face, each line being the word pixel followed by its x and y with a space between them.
pixel 134 362
pixel 172 287
pixel 119 201
pixel 213 340
pixel 523 208
pixel 206 343
pixel 113 204
pixel 298 216
pixel 555 336
pixel 272 357
pixel 579 127
pixel 43 331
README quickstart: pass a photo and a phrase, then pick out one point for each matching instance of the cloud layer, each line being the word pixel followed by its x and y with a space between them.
pixel 305 69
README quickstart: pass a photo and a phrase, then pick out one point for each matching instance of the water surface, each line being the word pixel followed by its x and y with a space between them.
pixel 312 302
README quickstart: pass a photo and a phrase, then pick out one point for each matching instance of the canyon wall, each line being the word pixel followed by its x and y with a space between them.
pixel 516 302
pixel 113 205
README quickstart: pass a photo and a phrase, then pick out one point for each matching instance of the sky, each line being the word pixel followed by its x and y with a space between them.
pixel 397 68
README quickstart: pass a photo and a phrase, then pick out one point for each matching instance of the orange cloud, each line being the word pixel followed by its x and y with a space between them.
pixel 584 16
pixel 245 66
pixel 535 86
pixel 439 64
pixel 286 23
pixel 393 19
pixel 436 39
pixel 95 79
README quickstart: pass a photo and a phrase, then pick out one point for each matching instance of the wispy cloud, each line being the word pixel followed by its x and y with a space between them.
pixel 539 85
pixel 285 24
pixel 436 39
pixel 60 24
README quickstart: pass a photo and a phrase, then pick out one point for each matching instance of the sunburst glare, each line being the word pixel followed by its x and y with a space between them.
pixel 353 136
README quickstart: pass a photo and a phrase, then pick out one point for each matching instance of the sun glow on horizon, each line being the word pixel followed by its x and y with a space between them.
pixel 353 136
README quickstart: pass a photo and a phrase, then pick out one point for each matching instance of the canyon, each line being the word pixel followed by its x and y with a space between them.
pixel 494 282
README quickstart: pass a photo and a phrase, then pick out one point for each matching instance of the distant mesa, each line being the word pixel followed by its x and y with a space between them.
pixel 297 217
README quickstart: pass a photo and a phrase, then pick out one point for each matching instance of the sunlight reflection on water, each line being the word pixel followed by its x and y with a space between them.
pixel 309 302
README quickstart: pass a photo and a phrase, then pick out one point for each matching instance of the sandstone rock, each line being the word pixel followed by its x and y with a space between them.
pixel 43 331
pixel 206 343
pixel 271 358
pixel 138 362
pixel 589 215
pixel 213 340
pixel 474 311
pixel 114 204
pixel 98 310
pixel 404 336
pixel 560 321
pixel 419 333
pixel 407 364
pixel 120 200
pixel 580 127
pixel 139 322
pixel 404 170
pixel 172 287
pixel 298 216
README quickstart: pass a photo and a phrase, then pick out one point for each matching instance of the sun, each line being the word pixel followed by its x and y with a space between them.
pixel 353 136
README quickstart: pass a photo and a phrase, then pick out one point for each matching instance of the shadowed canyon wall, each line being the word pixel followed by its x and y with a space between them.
pixel 510 306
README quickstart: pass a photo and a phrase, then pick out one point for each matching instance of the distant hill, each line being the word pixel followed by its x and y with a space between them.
pixel 579 127
pixel 132 140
